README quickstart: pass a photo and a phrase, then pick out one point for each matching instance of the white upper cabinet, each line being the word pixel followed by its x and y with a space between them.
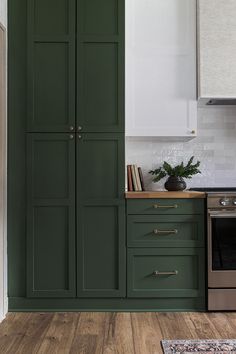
pixel 217 51
pixel 161 98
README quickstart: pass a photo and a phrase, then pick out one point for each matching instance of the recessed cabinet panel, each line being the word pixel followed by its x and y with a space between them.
pixel 50 215
pixel 50 165
pixel 100 172
pixel 50 105
pixel 50 248
pixel 166 272
pixel 165 230
pixel 101 250
pixel 99 17
pixel 50 16
pixel 165 206
pixel 50 169
pixel 98 100
pixel 100 268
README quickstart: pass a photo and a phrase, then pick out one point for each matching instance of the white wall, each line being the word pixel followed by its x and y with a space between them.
pixel 215 147
pixel 3 12
pixel 3 199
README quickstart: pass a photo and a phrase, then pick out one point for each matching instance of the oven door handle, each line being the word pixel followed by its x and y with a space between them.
pixel 220 214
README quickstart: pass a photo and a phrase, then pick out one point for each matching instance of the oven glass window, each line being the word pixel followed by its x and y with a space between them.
pixel 224 243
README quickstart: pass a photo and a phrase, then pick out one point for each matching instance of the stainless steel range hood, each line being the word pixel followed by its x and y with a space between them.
pixel 217 52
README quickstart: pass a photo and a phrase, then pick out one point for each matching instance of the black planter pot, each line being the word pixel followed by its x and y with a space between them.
pixel 175 184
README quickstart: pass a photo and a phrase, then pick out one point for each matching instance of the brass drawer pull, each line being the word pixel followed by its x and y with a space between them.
pixel 156 273
pixel 165 232
pixel 157 206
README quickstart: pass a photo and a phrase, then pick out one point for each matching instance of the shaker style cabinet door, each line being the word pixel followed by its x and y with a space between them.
pixel 51 65
pixel 51 215
pixel 100 216
pixel 100 60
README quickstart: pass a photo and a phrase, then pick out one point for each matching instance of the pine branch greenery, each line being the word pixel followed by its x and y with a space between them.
pixel 185 171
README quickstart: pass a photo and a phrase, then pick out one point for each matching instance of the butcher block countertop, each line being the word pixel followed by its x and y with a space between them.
pixel 164 194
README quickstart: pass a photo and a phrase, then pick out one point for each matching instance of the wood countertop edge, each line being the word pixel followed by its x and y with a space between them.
pixel 165 194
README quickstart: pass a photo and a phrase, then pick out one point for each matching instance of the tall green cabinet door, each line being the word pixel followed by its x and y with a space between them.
pixel 50 215
pixel 51 65
pixel 100 59
pixel 100 215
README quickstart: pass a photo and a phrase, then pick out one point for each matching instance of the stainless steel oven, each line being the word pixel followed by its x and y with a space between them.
pixel 221 209
pixel 221 248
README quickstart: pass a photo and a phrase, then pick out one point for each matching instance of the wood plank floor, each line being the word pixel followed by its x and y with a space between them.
pixel 93 332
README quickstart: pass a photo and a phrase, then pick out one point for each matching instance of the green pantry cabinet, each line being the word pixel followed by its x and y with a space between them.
pixel 67 245
pixel 66 206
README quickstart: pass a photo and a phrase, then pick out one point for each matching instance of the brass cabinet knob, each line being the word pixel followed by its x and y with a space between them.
pixel 193 131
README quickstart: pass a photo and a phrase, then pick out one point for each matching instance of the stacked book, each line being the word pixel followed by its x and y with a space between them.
pixel 135 179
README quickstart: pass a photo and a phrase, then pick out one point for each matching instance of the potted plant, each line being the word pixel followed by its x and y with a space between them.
pixel 175 181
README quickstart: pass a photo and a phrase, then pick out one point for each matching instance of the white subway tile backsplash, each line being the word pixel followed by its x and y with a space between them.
pixel 224 167
pixel 215 147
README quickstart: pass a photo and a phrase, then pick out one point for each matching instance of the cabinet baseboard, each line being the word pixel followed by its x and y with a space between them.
pixel 18 304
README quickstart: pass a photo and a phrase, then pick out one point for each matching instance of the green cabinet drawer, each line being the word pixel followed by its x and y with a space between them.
pixel 166 272
pixel 165 206
pixel 165 230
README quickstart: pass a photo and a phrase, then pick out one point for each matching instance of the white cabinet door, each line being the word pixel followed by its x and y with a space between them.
pixel 217 49
pixel 161 68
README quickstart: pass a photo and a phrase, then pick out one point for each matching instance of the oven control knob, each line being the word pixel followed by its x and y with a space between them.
pixel 225 202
